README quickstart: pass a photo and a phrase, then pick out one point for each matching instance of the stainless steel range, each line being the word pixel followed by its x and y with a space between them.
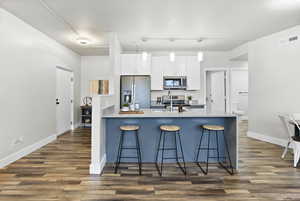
pixel 177 99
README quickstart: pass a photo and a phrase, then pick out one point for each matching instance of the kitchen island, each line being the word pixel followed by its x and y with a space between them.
pixel 149 132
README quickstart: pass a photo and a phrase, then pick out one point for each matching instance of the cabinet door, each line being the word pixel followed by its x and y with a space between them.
pixel 143 67
pixel 175 68
pixel 157 68
pixel 193 73
pixel 128 64
pixel 166 66
pixel 180 65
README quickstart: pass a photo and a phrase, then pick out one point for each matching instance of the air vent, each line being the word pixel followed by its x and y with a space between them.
pixel 292 39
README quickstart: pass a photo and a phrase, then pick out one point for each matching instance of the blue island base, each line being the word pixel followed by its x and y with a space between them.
pixel 190 135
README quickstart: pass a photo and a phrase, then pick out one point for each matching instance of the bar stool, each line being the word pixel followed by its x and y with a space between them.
pixel 124 130
pixel 218 130
pixel 175 131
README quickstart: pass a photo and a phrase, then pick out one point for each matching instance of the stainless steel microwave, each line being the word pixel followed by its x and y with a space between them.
pixel 175 82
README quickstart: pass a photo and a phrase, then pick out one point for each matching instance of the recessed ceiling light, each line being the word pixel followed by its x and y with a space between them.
pixel 83 41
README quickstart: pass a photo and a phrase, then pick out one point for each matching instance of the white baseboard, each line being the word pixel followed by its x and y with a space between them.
pixel 96 168
pixel 25 151
pixel 266 138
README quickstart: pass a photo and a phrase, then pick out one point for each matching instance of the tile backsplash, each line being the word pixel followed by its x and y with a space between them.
pixel 196 96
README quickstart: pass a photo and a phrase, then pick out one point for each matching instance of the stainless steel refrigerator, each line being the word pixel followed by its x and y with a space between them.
pixel 135 89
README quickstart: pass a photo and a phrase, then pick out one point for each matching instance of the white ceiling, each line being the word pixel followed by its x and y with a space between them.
pixel 225 23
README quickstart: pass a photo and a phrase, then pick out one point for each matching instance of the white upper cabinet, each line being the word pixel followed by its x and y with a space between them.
pixel 177 67
pixel 133 64
pixel 188 66
pixel 159 63
pixel 193 73
pixel 143 66
pixel 128 64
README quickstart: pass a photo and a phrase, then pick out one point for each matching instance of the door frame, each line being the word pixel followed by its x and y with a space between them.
pixel 72 82
pixel 227 87
pixel 230 81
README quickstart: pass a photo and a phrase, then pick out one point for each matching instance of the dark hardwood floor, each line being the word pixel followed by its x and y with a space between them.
pixel 59 171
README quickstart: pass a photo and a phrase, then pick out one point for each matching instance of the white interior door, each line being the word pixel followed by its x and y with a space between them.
pixel 63 100
pixel 216 91
pixel 239 91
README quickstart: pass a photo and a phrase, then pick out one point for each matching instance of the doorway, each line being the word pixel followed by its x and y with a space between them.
pixel 239 92
pixel 64 100
pixel 216 90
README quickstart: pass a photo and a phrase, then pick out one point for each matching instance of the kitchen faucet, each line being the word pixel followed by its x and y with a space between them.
pixel 171 100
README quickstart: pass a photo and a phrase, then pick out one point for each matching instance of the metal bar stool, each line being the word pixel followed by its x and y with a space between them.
pixel 175 131
pixel 218 130
pixel 129 129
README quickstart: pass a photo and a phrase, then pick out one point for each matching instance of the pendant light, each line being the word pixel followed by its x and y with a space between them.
pixel 200 56
pixel 144 55
pixel 172 56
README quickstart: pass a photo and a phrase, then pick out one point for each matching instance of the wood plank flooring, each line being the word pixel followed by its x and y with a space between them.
pixel 59 171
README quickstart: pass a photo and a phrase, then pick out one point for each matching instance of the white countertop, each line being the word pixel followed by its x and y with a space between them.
pixel 152 113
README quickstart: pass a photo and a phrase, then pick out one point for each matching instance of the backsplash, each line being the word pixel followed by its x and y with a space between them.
pixel 195 94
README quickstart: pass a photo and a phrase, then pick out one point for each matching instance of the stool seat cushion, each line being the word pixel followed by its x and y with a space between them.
pixel 129 128
pixel 213 127
pixel 171 128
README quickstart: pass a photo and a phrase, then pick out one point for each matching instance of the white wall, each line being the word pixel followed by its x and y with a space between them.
pixel 27 84
pixel 274 69
pixel 115 50
pixel 94 68
pixel 217 59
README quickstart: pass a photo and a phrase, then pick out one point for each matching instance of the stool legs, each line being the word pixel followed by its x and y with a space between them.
pixel 227 151
pixel 163 149
pixel 119 152
pixel 157 150
pixel 138 151
pixel 137 148
pixel 208 149
pixel 184 168
pixel 207 156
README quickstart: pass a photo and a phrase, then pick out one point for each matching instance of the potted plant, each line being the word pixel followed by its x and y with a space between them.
pixel 189 99
pixel 125 107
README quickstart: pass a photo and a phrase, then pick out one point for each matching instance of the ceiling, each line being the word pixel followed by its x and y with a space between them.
pixel 223 24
